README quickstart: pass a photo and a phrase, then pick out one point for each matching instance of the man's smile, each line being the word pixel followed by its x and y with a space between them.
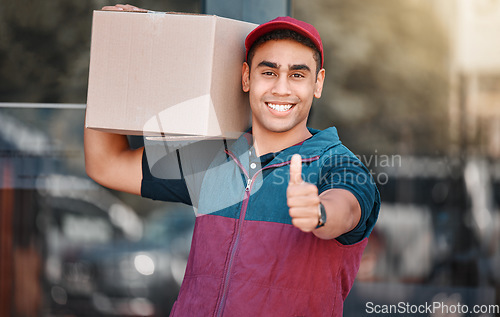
pixel 280 107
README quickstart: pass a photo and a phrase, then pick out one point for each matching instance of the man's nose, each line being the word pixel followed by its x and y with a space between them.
pixel 281 86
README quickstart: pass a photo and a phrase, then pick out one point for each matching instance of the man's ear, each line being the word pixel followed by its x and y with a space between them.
pixel 245 77
pixel 319 83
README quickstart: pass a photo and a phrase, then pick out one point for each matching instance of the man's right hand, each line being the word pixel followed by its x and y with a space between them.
pixel 123 7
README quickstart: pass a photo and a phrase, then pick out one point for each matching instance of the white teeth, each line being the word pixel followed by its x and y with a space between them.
pixel 279 107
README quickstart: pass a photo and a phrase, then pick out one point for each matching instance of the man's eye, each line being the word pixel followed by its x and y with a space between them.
pixel 297 75
pixel 268 73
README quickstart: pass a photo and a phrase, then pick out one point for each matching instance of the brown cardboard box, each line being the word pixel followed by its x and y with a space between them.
pixel 170 74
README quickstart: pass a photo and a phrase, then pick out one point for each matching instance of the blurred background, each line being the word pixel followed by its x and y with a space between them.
pixel 413 87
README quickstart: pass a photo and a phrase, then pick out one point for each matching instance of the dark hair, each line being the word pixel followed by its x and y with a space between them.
pixel 285 34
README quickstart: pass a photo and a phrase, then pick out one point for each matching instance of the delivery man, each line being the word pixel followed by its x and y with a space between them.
pixel 283 212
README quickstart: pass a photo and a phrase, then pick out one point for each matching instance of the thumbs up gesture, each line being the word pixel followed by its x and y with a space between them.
pixel 302 198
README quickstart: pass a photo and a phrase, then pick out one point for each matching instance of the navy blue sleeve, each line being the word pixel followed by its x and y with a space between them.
pixel 174 190
pixel 344 170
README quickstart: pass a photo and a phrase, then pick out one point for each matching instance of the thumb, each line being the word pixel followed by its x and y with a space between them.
pixel 296 169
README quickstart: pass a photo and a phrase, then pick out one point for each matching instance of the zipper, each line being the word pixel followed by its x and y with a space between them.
pixel 249 184
pixel 243 210
pixel 227 271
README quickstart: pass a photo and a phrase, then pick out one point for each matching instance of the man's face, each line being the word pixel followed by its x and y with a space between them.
pixel 281 85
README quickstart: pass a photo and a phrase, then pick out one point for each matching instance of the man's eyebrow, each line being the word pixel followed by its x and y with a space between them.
pixel 299 67
pixel 268 64
pixel 291 67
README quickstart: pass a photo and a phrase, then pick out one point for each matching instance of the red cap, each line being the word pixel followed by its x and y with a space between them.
pixel 287 23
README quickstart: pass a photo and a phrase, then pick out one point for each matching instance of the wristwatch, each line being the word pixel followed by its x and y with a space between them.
pixel 321 216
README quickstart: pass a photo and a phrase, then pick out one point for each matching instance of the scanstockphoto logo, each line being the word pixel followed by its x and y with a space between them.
pixel 202 164
pixel 435 308
pixel 347 169
pixel 440 304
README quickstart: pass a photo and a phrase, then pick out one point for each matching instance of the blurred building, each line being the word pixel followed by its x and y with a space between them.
pixel 473 27
pixel 475 75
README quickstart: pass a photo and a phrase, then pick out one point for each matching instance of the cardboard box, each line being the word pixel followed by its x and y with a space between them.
pixel 158 74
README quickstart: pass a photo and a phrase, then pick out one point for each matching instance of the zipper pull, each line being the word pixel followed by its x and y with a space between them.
pixel 249 183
